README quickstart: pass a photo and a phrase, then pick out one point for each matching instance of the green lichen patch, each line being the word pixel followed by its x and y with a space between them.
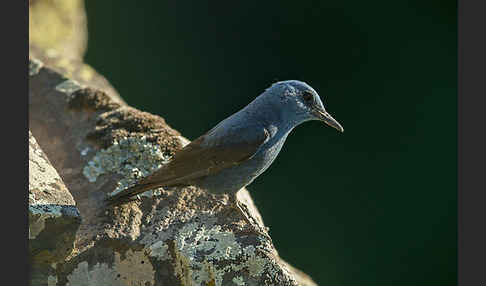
pixel 159 250
pixel 34 66
pixel 238 280
pixel 131 157
pixel 68 86
pixel 51 280
pixel 205 255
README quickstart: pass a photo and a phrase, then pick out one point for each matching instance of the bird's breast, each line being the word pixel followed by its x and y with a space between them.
pixel 241 175
pixel 267 154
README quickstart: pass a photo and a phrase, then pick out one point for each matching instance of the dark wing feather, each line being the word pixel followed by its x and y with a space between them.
pixel 202 157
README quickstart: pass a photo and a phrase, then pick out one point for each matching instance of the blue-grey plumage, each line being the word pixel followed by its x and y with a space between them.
pixel 241 147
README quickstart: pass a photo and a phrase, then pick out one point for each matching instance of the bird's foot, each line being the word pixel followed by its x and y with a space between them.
pixel 253 225
pixel 219 202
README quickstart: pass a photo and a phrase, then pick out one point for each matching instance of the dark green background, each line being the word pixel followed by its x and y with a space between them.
pixel 375 205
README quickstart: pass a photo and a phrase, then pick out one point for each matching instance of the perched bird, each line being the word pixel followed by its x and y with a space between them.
pixel 241 147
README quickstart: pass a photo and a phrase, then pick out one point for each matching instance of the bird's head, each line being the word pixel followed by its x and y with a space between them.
pixel 299 101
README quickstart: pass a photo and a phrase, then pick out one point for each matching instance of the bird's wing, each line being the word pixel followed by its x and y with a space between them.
pixel 204 156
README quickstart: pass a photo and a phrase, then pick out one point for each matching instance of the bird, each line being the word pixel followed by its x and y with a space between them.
pixel 237 150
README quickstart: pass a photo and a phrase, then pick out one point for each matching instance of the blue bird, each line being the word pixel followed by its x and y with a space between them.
pixel 241 147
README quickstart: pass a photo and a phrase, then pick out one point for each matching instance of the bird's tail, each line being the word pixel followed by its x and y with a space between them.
pixel 128 193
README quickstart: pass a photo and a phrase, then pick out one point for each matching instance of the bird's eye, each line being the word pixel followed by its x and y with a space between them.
pixel 307 96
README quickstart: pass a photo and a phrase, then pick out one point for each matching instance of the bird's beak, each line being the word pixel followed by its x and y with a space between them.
pixel 327 118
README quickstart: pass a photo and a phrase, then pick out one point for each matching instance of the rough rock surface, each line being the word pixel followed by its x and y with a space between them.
pixel 58 37
pixel 53 216
pixel 176 236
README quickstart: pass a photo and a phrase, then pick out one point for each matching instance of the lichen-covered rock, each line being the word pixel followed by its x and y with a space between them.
pixel 58 37
pixel 98 145
pixel 179 236
pixel 53 216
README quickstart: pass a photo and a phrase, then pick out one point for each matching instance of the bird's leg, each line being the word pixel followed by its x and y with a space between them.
pixel 243 209
pixel 236 204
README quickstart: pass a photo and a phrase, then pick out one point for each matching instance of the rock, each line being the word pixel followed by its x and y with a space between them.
pixel 58 37
pixel 175 236
pixel 179 236
pixel 53 216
